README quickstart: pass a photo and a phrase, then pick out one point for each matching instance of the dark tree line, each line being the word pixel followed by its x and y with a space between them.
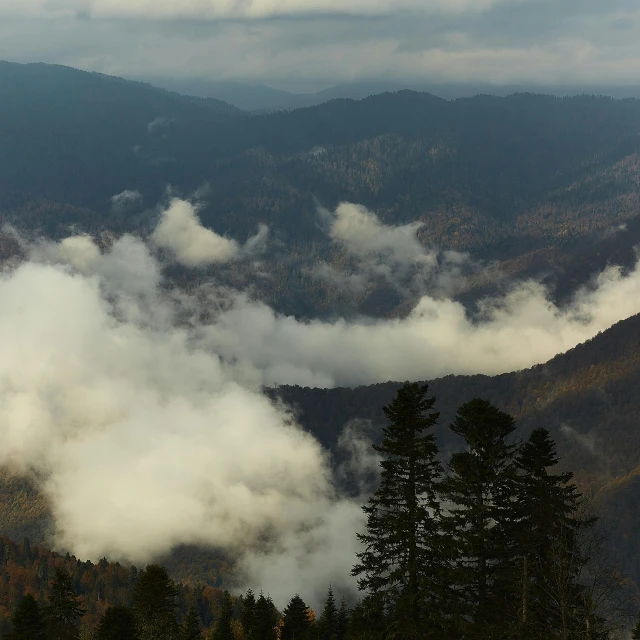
pixel 495 546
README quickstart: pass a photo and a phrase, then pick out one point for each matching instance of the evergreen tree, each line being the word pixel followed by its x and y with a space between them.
pixel 27 621
pixel 154 603
pixel 403 546
pixel 223 629
pixel 26 548
pixel 481 491
pixel 191 627
pixel 265 619
pixel 368 619
pixel 117 623
pixel 549 538
pixel 63 612
pixel 329 618
pixel 247 618
pixel 342 621
pixel 296 622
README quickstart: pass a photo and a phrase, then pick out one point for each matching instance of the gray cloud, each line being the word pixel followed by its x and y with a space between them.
pixel 535 41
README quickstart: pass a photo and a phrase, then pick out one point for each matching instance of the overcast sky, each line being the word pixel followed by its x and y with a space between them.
pixel 314 43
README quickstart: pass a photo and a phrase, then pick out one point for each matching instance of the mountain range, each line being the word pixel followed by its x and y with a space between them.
pixel 528 183
pixel 532 185
pixel 260 97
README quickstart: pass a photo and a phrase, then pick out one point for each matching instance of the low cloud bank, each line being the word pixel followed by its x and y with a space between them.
pixel 140 407
pixel 143 438
pixel 389 253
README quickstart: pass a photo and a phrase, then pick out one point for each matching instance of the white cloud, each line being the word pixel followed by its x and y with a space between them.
pixel 363 235
pixel 392 253
pixel 180 232
pixel 78 251
pixel 437 338
pixel 126 200
pixel 141 438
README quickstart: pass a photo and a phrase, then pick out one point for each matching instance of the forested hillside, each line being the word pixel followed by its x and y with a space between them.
pixel 525 180
pixel 29 569
pixel 491 541
pixel 586 397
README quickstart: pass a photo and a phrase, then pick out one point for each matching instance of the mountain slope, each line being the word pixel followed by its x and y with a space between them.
pixel 588 398
pixel 527 180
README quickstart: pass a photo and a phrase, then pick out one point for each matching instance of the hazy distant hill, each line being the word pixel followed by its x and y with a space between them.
pixel 260 97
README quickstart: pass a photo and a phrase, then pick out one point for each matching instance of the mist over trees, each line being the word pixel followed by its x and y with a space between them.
pixel 492 543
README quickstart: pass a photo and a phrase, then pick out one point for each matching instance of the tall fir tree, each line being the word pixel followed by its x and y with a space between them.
pixel 265 619
pixel 63 612
pixel 223 629
pixel 117 623
pixel 154 604
pixel 403 546
pixel 481 492
pixel 549 539
pixel 329 618
pixel 342 621
pixel 191 626
pixel 247 617
pixel 28 621
pixel 296 622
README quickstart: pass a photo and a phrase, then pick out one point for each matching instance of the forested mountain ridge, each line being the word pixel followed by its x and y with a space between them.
pixel 533 184
pixel 587 398
pixel 525 181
